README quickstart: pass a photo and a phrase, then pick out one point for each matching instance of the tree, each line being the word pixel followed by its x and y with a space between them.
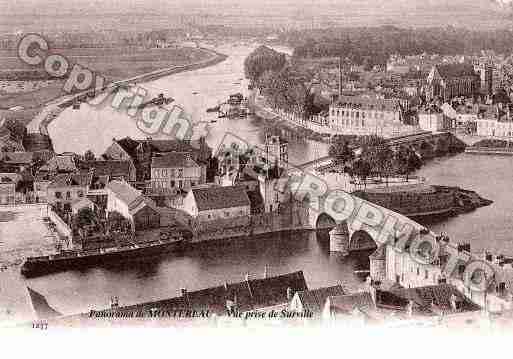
pixel 263 59
pixel 89 156
pixel 371 147
pixel 117 223
pixel 341 152
pixel 385 162
pixel 85 217
pixel 407 161
pixel 362 169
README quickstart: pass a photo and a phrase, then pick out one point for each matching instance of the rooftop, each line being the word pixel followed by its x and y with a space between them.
pixel 347 303
pixel 315 299
pixel 173 160
pixel 71 179
pixel 18 157
pixel 59 163
pixel 368 103
pixel 124 191
pixel 112 168
pixel 250 294
pixel 220 197
pixel 455 70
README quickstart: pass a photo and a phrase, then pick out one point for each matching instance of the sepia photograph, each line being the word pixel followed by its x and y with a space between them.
pixel 241 165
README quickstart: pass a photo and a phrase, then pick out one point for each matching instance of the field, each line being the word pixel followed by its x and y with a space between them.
pixel 112 63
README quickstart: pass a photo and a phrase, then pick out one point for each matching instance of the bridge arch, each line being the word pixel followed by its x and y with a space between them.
pixel 361 240
pixel 325 221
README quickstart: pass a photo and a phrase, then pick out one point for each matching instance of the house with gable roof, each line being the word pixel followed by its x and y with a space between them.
pixel 130 203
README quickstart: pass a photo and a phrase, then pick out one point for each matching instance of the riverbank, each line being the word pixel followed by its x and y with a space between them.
pixel 421 200
pixel 491 147
pixel 55 107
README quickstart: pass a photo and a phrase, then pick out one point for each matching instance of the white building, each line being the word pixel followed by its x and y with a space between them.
pixel 495 128
pixel 365 115
pixel 211 203
pixel 132 205
pixel 433 120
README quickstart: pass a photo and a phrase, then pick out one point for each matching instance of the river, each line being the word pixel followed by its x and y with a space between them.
pixel 78 291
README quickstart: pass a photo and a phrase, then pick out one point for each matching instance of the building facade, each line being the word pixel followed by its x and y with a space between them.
pixel 175 171
pixel 130 203
pixel 452 80
pixel 362 115
pixel 213 203
pixel 64 189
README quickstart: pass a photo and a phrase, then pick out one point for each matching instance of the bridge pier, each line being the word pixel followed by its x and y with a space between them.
pixel 339 239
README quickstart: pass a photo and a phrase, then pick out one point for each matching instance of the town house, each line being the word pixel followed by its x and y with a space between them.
pixel 175 171
pixel 66 188
pixel 131 204
pixel 212 203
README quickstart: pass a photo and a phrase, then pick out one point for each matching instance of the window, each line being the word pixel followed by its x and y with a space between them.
pixel 180 185
pixel 173 184
pixel 180 172
pixel 227 214
pixel 80 193
pixel 418 271
pixel 58 195
pixel 426 274
pixel 68 195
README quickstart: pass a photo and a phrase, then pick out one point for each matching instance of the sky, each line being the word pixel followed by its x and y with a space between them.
pixel 102 6
pixel 424 12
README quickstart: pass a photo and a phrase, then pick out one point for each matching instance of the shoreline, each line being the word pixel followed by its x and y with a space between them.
pixel 54 107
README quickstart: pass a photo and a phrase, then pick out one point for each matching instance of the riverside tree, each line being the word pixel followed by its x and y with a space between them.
pixel 263 59
pixel 341 152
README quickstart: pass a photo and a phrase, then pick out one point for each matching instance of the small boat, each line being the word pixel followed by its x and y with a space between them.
pixel 214 109
pixel 194 92
pixel 213 121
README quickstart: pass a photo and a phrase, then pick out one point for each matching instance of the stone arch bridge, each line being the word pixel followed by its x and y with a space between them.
pixel 356 224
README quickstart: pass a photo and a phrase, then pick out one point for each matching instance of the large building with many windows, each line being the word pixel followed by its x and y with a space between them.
pixel 366 115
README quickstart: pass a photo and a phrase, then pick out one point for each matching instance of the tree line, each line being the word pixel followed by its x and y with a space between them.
pixel 374 45
pixel 286 85
pixel 376 158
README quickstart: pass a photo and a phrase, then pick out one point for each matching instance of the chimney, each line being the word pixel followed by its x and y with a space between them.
pixel 184 295
pixel 114 302
pixel 289 294
pixel 409 308
pixel 453 302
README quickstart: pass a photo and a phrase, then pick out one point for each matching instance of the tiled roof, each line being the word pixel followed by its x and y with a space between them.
pixel 82 203
pixel 455 70
pixel 368 103
pixel 173 160
pixel 18 157
pixel 124 191
pixel 162 146
pixel 248 295
pixel 438 296
pixel 315 299
pixel 348 303
pixel 220 197
pixel 70 179
pixel 63 163
pixel 112 168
